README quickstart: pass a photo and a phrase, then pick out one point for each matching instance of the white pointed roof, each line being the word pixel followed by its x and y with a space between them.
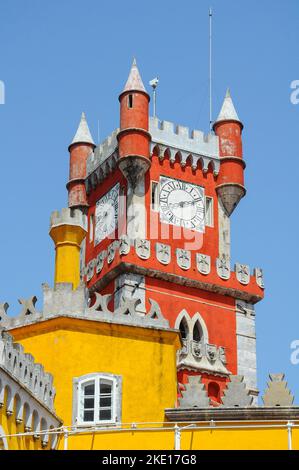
pixel 134 81
pixel 83 134
pixel 228 111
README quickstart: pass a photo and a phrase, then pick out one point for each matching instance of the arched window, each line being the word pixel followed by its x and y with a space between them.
pixel 197 332
pixel 184 329
pixel 214 391
pixel 98 399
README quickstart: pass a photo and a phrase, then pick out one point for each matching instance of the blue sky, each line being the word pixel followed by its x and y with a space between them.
pixel 61 57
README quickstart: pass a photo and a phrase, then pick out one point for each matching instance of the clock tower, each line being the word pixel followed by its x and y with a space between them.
pixel 159 200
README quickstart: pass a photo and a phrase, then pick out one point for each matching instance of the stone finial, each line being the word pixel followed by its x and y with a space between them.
pixel 195 394
pixel 236 394
pixel 68 216
pixel 134 82
pixel 28 306
pixel 228 111
pixel 4 318
pixel 83 135
pixel 277 393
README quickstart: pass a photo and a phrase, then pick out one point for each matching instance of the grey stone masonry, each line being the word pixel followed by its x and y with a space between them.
pixel 277 393
pixel 246 344
pixel 63 301
pixel 22 367
pixel 179 141
pixel 236 393
pixel 102 152
pixel 194 395
pixel 68 216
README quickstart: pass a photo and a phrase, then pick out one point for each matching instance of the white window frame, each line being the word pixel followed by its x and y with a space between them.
pixel 211 224
pixel 155 207
pixel 78 399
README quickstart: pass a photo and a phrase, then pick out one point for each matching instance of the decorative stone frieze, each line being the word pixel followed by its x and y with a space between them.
pixel 198 355
pixel 143 248
pixel 223 267
pixel 195 394
pixel 203 263
pixel 259 276
pixel 124 245
pixel 277 393
pixel 242 273
pixel 236 393
pixel 163 253
pixel 111 251
pixel 100 259
pixel 90 269
pixel 183 258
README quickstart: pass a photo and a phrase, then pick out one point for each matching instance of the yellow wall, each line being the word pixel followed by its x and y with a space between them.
pixel 238 439
pixel 145 358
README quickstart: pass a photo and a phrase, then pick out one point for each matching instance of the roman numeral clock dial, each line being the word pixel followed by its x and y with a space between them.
pixel 182 204
pixel 106 214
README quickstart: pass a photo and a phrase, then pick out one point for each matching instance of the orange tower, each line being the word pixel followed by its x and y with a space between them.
pixel 80 148
pixel 153 174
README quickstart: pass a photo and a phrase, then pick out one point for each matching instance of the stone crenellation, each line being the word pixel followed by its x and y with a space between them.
pixel 182 142
pixel 102 152
pixel 168 138
pixel 22 367
pixel 68 216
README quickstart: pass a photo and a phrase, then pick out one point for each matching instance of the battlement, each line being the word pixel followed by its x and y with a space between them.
pixel 182 138
pixel 102 152
pixel 68 216
pixel 22 367
pixel 66 302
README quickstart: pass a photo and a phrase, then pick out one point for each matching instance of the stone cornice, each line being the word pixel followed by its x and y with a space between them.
pixel 277 413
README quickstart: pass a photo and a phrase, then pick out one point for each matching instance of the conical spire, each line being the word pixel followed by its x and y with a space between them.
pixel 134 81
pixel 83 134
pixel 228 111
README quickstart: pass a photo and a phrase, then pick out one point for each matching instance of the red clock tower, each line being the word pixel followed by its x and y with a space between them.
pixel 159 199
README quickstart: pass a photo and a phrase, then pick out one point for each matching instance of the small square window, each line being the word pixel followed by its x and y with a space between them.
pixel 209 211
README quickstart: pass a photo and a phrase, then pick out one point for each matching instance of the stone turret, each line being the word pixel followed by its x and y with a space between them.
pixel 80 148
pixel 133 137
pixel 68 229
pixel 228 128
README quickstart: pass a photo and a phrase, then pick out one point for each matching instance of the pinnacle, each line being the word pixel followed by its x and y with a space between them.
pixel 228 111
pixel 134 81
pixel 83 134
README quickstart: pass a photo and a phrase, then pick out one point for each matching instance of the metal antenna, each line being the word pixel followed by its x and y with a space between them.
pixel 154 83
pixel 210 65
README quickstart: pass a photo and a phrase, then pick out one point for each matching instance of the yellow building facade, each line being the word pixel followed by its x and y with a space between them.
pixel 115 378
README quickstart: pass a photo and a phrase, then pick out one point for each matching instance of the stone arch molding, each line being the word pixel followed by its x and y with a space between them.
pixel 200 355
pixel 191 322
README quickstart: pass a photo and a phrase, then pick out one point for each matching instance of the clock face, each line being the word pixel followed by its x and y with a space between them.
pixel 106 214
pixel 182 204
